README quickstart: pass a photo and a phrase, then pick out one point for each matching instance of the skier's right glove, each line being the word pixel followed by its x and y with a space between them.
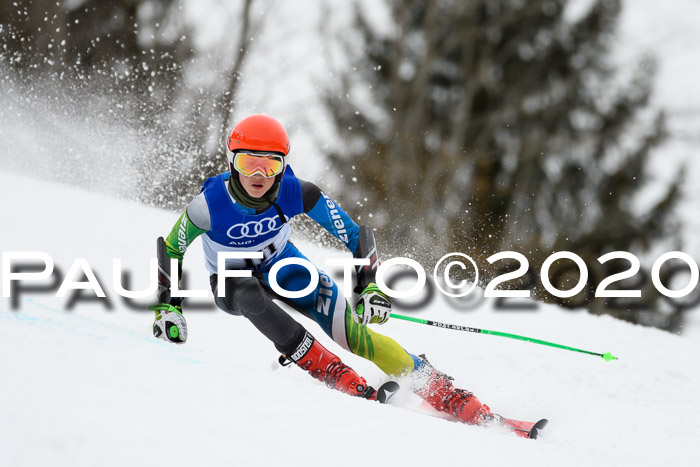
pixel 169 324
pixel 373 306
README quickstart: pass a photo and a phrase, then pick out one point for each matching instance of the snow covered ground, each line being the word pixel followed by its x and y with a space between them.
pixel 91 386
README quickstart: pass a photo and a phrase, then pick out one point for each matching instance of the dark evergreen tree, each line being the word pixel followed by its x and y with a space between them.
pixel 489 125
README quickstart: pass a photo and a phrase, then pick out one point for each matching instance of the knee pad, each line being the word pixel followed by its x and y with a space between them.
pixel 239 293
pixel 247 296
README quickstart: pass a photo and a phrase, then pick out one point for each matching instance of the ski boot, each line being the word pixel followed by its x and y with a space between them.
pixel 436 389
pixel 327 367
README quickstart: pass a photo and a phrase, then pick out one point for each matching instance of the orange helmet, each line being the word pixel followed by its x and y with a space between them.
pixel 259 133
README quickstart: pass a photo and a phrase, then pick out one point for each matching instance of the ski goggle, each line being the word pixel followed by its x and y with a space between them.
pixel 248 164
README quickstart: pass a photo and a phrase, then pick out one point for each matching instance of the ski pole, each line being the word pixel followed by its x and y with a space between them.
pixel 607 356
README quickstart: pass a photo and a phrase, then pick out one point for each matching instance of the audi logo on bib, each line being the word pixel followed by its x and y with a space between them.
pixel 254 229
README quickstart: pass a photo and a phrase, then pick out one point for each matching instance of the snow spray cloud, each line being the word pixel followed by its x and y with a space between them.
pixel 21 268
pixel 71 133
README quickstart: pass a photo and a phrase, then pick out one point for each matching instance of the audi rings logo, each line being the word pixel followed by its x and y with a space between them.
pixel 254 229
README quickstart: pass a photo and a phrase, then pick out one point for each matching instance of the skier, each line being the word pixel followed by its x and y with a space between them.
pixel 247 209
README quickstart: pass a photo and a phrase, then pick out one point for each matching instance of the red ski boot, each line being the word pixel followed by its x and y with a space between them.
pixel 437 389
pixel 323 365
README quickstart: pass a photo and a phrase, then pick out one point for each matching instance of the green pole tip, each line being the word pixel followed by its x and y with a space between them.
pixel 607 356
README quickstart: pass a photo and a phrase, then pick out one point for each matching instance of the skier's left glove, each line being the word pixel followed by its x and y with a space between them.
pixel 373 306
pixel 170 324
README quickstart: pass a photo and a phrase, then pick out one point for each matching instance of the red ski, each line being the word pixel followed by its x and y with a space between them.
pixel 523 429
pixel 529 430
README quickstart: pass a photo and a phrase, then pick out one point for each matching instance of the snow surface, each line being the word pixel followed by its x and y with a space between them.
pixel 93 387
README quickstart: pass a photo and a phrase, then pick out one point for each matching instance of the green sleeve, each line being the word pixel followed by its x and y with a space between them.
pixel 181 237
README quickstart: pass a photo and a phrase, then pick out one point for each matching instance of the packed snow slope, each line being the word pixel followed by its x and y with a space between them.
pixel 91 386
